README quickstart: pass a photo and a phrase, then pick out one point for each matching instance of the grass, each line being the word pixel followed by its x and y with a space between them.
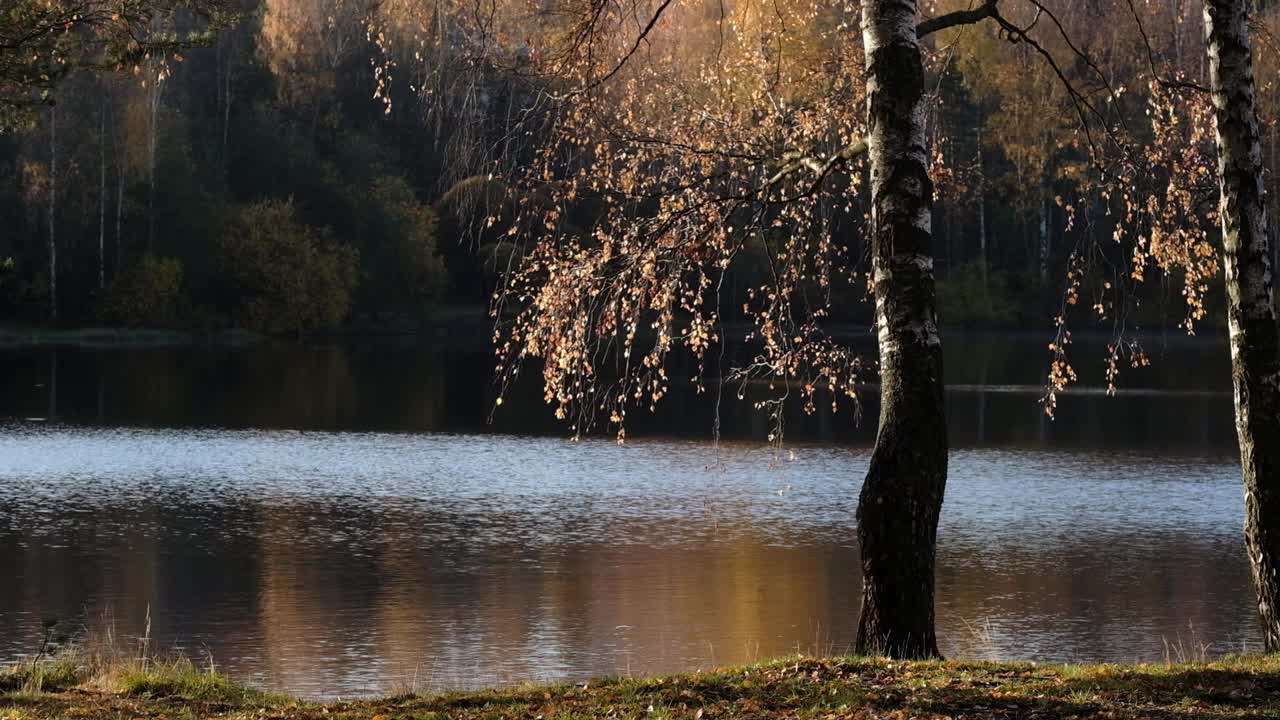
pixel 55 674
pixel 181 679
pixel 94 337
pixel 791 689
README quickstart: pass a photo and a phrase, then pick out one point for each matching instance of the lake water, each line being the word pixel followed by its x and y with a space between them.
pixel 335 520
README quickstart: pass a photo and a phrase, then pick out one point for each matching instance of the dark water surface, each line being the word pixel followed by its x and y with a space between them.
pixel 332 520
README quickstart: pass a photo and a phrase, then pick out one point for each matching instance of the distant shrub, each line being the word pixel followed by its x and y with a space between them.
pixel 403 268
pixel 973 294
pixel 147 294
pixel 283 275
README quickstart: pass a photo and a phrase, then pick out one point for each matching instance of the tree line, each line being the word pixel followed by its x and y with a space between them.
pixel 643 180
pixel 387 139
pixel 230 170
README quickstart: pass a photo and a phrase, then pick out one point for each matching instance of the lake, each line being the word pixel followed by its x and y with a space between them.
pixel 343 519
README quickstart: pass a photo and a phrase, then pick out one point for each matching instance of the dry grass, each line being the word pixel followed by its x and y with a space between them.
pixel 793 689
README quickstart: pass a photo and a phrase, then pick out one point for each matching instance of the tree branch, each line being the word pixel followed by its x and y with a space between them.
pixel 959 17
pixel 793 161
pixel 644 35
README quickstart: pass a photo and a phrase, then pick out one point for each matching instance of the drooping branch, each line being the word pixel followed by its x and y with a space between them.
pixel 1167 83
pixel 635 47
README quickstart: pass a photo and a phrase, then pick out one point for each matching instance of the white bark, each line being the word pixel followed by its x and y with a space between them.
pixel 1251 316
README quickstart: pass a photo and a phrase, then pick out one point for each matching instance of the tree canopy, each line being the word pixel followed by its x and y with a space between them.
pixel 43 41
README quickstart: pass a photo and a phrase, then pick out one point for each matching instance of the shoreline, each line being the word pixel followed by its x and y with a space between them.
pixel 473 328
pixel 796 688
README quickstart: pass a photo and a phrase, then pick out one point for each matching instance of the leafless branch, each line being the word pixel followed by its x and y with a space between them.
pixel 959 17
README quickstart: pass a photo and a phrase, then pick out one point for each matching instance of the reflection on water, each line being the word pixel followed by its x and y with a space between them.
pixel 257 504
pixel 1181 403
pixel 329 563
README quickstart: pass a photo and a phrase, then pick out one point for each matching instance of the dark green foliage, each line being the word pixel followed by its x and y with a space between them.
pixel 973 294
pixel 148 294
pixel 286 276
pixel 405 273
pixel 188 209
pixel 146 171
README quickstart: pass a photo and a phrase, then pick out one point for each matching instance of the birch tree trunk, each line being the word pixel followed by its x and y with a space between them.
pixel 120 169
pixel 53 210
pixel 225 91
pixel 226 114
pixel 1251 317
pixel 102 192
pixel 1271 210
pixel 157 90
pixel 1045 247
pixel 982 210
pixel 902 495
pixel 151 179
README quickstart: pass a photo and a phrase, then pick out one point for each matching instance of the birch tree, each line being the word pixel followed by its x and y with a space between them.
pixel 679 141
pixel 1251 314
pixel 902 495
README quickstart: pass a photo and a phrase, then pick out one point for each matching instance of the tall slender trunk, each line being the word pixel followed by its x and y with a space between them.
pixel 120 171
pixel 226 104
pixel 152 146
pixel 1176 31
pixel 902 495
pixel 1275 168
pixel 982 211
pixel 1251 316
pixel 1044 236
pixel 102 192
pixel 53 209
pixel 226 115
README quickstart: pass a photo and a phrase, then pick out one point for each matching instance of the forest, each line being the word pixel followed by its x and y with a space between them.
pixel 306 165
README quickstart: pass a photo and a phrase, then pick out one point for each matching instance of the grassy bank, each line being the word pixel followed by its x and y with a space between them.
pixel 469 324
pixel 93 337
pixel 792 689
